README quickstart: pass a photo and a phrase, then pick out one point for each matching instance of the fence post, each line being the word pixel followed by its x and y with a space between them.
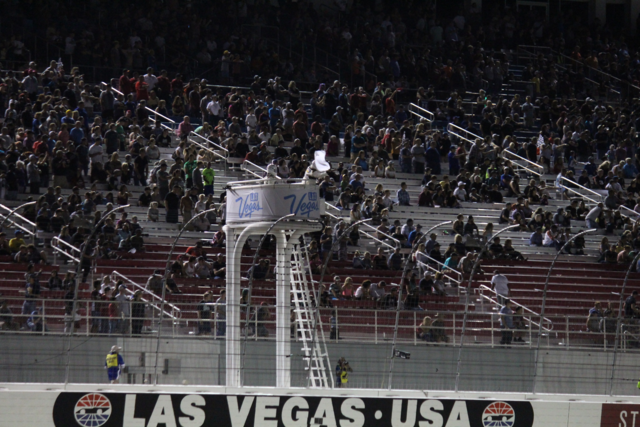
pixel 375 320
pixel 492 327
pixel 454 329
pixel 415 333
pixel 87 316
pixel 44 315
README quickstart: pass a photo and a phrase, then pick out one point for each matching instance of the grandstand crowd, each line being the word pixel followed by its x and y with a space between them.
pixel 80 149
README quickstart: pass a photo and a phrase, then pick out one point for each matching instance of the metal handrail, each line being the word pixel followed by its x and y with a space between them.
pixel 528 310
pixel 59 240
pixel 443 267
pixel 164 117
pixel 15 224
pixel 631 211
pixel 538 174
pixel 208 149
pixel 31 224
pixel 377 240
pixel 67 254
pixel 563 178
pixel 522 158
pixel 257 167
pixel 210 142
pixel 430 267
pixel 429 113
pixel 381 232
pixel 451 128
pixel 175 314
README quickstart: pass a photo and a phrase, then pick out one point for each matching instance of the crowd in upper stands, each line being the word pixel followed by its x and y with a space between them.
pixel 61 130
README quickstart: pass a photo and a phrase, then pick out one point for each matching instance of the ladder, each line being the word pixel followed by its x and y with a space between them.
pixel 316 360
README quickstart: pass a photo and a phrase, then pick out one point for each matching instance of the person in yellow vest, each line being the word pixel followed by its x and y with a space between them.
pixel 342 372
pixel 114 364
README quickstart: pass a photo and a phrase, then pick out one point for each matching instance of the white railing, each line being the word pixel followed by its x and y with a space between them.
pixel 218 146
pixel 630 212
pixel 209 150
pixel 174 314
pixel 443 268
pixel 531 164
pixel 421 113
pixel 245 168
pixel 463 133
pixel 56 244
pixel 171 128
pixel 484 288
pixel 599 198
pixel 11 212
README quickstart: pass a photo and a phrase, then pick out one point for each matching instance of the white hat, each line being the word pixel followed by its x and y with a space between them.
pixel 460 184
pixel 115 349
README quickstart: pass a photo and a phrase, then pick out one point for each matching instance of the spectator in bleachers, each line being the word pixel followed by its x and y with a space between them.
pixel 172 204
pixel 511 253
pixel 394 261
pixel 346 291
pixel 500 284
pixel 424 330
pixel 506 322
pixel 138 306
pixel 554 237
pixel 363 293
pixel 37 322
pixel 536 238
pixel 594 318
pixel 403 195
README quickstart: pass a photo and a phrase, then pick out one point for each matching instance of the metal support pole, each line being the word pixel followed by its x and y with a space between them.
pixel 405 269
pixel 466 299
pixel 619 322
pixel 164 287
pixel 250 286
pixel 544 302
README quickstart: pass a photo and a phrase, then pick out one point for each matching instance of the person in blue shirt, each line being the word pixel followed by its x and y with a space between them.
pixel 275 114
pixel 591 167
pixel 414 234
pixel 405 158
pixel 114 364
pixel 357 143
pixel 451 262
pixel 76 134
pixel 629 169
pixel 454 162
pixel 432 156
pixel 403 195
pixel 356 182
pixel 83 113
pixel 401 115
pixel 506 322
pixel 35 124
pixel 68 119
pixel 536 237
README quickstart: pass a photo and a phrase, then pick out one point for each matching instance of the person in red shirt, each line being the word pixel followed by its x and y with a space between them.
pixel 197 250
pixel 177 85
pixel 142 89
pixel 164 86
pixel 125 83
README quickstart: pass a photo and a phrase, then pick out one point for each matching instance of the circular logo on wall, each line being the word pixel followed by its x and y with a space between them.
pixel 498 414
pixel 92 410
